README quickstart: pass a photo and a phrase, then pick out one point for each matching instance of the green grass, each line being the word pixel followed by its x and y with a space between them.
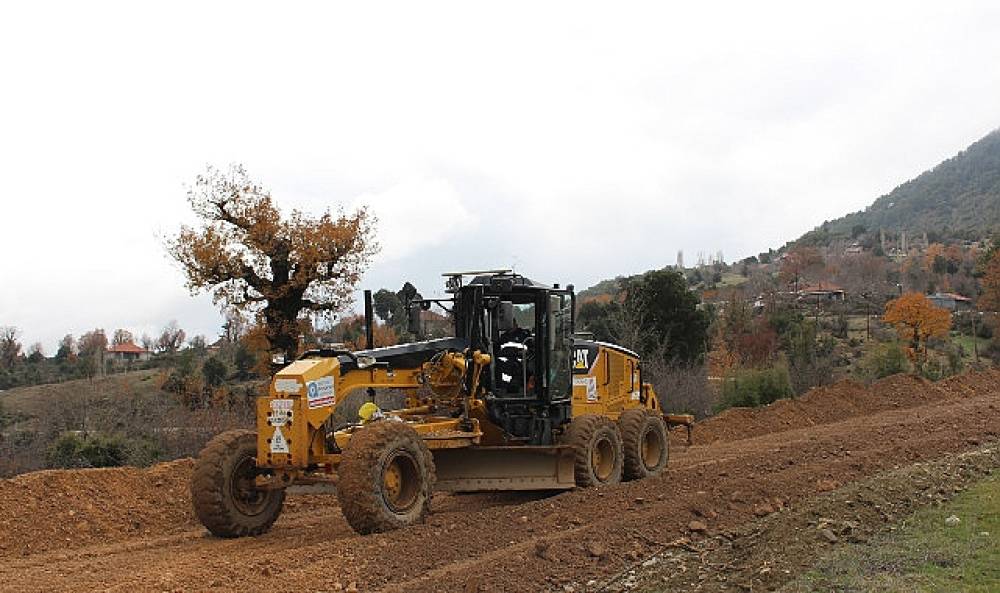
pixel 966 342
pixel 923 555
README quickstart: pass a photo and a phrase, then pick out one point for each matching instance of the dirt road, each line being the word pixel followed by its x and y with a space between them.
pixel 132 530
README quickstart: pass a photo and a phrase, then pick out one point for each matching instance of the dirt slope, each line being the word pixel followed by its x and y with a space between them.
pixel 131 530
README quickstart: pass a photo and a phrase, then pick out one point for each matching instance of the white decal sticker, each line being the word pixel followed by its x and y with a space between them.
pixel 278 442
pixel 287 385
pixel 320 392
pixel 635 396
pixel 590 383
pixel 281 412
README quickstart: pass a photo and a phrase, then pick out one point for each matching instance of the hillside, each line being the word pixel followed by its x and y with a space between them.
pixel 958 198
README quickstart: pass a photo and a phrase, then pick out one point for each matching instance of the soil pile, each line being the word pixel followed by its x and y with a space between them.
pixel 842 400
pixel 71 508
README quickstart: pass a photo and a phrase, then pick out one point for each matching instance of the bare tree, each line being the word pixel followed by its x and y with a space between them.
pixel 122 336
pixel 93 345
pixel 147 342
pixel 199 343
pixel 171 338
pixel 234 328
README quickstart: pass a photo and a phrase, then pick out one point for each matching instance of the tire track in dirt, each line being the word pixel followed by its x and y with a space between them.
pixel 518 542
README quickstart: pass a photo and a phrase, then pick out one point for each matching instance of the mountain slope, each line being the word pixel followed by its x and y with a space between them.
pixel 959 197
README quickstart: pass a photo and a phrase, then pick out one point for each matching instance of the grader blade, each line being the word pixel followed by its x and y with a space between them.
pixel 477 469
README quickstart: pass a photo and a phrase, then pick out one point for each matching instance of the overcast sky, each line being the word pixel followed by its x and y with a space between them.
pixel 573 142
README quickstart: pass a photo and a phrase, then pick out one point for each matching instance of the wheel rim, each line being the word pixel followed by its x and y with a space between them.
pixel 246 497
pixel 401 481
pixel 651 449
pixel 602 458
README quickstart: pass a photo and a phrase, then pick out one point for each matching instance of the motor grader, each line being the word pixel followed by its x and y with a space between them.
pixel 514 401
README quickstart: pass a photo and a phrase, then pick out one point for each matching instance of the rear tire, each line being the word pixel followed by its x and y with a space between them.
pixel 222 491
pixel 385 478
pixel 644 437
pixel 598 450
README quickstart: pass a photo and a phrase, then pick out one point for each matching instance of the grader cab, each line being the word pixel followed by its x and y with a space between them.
pixel 514 401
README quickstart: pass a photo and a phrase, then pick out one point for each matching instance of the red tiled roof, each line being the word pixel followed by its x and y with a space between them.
pixel 127 347
pixel 951 295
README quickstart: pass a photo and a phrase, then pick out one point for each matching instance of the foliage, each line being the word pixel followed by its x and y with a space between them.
pixel 990 299
pixel 214 371
pixel 668 314
pixel 810 356
pixel 748 388
pixel 391 307
pixel 10 348
pixel 254 260
pixel 916 319
pixel 654 314
pixel 885 360
pixel 74 449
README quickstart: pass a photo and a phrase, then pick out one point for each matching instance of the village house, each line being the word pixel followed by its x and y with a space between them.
pixel 951 301
pixel 822 292
pixel 127 352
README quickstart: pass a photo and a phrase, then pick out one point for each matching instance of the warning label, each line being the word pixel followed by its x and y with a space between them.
pixel 320 392
pixel 281 412
pixel 590 383
pixel 278 442
pixel 287 386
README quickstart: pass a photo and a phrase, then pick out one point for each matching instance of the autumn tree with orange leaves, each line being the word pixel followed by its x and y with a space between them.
pixel 253 260
pixel 990 299
pixel 916 320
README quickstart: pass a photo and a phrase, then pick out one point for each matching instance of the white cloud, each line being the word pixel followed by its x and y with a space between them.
pixel 417 214
pixel 576 141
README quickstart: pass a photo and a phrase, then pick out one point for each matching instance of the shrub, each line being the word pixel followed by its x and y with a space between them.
pixel 214 371
pixel 885 360
pixel 74 449
pixel 749 388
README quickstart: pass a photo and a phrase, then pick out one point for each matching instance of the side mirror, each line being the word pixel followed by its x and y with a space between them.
pixel 413 320
pixel 505 316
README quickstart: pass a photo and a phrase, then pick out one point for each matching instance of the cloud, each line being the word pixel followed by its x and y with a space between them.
pixel 417 214
pixel 577 143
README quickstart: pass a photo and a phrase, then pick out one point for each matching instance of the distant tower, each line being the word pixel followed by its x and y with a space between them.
pixel 903 241
pixel 881 238
pixel 680 259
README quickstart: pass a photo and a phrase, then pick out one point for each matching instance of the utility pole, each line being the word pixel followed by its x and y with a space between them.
pixel 975 336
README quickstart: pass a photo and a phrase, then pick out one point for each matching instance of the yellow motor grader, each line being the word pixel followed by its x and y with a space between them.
pixel 515 401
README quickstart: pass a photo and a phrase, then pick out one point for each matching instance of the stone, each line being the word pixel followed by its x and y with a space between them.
pixel 596 549
pixel 829 536
pixel 697 527
pixel 952 521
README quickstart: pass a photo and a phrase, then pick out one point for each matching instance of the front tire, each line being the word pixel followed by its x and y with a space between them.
pixel 644 436
pixel 598 450
pixel 222 488
pixel 385 478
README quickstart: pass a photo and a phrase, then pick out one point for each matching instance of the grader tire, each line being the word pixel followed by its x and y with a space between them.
pixel 598 451
pixel 222 491
pixel 385 478
pixel 644 437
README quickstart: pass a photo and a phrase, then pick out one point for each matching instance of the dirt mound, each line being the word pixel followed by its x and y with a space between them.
pixel 575 540
pixel 832 403
pixel 73 508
